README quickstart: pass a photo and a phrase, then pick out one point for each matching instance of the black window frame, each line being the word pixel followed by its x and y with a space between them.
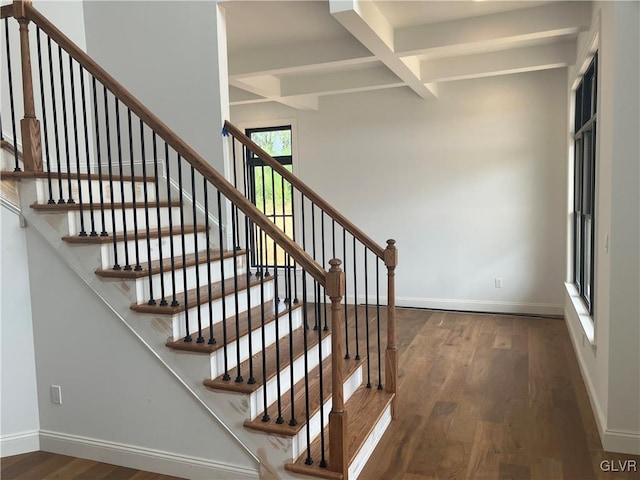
pixel 253 162
pixel 584 184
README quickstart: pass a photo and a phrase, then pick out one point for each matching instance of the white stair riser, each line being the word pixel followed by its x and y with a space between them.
pixel 217 358
pixel 256 400
pixel 121 193
pixel 142 284
pixel 178 320
pixel 131 217
pixel 107 253
pixel 351 384
pixel 367 448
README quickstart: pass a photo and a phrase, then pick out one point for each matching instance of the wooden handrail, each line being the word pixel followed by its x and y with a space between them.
pixel 6 11
pixel 306 191
pixel 179 145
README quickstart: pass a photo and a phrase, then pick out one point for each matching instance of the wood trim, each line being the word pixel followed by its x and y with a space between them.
pixel 306 191
pixel 6 11
pixel 391 354
pixel 65 207
pixel 179 145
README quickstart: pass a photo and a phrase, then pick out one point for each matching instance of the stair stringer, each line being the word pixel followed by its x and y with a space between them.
pixel 189 369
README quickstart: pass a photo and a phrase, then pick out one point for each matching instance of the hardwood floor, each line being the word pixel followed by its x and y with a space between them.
pixel 49 466
pixel 480 397
pixel 489 397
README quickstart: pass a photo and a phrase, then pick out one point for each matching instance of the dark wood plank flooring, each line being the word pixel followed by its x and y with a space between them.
pixel 489 397
pixel 50 466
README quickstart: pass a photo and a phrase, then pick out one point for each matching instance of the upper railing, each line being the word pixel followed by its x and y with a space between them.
pixel 78 123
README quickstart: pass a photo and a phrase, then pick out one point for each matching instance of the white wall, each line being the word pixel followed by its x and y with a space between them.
pixel 610 363
pixel 172 56
pixel 471 185
pixel 119 403
pixel 19 423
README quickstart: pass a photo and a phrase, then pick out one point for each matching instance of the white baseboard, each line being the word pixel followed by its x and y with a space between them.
pixel 146 459
pixel 19 443
pixel 490 306
pixel 621 442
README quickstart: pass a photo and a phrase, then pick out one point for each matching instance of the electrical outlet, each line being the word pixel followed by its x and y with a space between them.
pixel 498 282
pixel 56 394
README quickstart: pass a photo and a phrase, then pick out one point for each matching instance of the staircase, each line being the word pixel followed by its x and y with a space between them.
pixel 291 355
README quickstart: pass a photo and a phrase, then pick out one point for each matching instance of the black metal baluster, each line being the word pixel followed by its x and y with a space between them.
pixel 304 245
pixel 355 298
pixel 275 246
pixel 55 121
pixel 265 263
pixel 366 315
pixel 137 266
pixel 323 460
pixel 324 260
pixel 65 125
pixel 234 231
pixel 163 300
pixel 174 300
pixel 187 337
pixel 127 265
pixel 205 186
pixel 316 306
pixel 145 194
pixel 293 420
pixel 252 378
pixel 98 158
pixel 226 376
pixel 116 266
pixel 265 416
pixel 309 459
pixel 93 232
pixel 346 316
pixel 44 119
pixel 82 233
pixel 378 321
pixel 11 101
pixel 197 253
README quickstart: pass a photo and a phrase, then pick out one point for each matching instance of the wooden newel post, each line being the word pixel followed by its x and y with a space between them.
pixel 29 125
pixel 335 288
pixel 391 355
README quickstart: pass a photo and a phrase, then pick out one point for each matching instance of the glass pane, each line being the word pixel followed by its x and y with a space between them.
pixel 275 142
pixel 587 259
pixel 578 107
pixel 577 277
pixel 586 173
pixel 577 177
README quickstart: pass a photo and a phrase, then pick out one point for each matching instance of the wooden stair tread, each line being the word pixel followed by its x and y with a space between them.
pixel 142 235
pixel 192 297
pixel 300 405
pixel 214 255
pixel 74 176
pixel 272 367
pixel 364 409
pixel 256 312
pixel 63 207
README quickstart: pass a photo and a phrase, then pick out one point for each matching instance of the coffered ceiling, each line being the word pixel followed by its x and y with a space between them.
pixel 295 52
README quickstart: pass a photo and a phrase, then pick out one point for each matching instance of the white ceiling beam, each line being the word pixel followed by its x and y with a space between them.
pixel 269 87
pixel 366 23
pixel 540 57
pixel 298 57
pixel 453 37
pixel 375 78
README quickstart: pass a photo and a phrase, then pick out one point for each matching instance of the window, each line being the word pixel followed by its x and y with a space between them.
pixel 270 192
pixel 584 183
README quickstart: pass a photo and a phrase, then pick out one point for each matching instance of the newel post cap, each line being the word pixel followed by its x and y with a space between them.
pixel 335 287
pixel 391 254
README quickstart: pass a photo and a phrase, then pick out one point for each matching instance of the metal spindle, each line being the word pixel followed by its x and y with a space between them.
pixel 65 126
pixel 252 378
pixel 174 300
pixel 98 159
pixel 44 118
pixel 316 305
pixel 234 231
pixel 304 244
pixel 145 193
pixel 127 264
pixel 309 459
pixel 205 186
pixel 116 266
pixel 11 101
pixel 355 299
pixel 378 321
pixel 187 337
pixel 264 262
pixel 323 460
pixel 137 266
pixel 346 317
pixel 366 315
pixel 265 416
pixel 226 376
pixel 83 233
pixel 163 300
pixel 293 420
pixel 55 120
pixel 324 262
pixel 93 232
pixel 197 253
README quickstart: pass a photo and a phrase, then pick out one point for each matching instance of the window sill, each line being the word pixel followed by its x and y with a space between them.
pixel 582 312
